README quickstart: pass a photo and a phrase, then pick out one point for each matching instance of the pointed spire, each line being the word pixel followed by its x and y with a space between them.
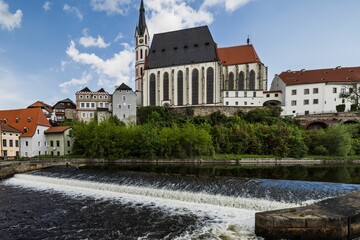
pixel 142 23
pixel 248 40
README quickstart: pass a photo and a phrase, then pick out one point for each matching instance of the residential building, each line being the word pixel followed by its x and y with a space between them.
pixel 46 108
pixel 92 104
pixel 32 123
pixel 59 142
pixel 316 91
pixel 64 109
pixel 9 141
pixel 187 68
pixel 124 103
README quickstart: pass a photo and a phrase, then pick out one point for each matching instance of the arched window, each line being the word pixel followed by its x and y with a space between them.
pixel 195 86
pixel 141 54
pixel 180 88
pixel 137 57
pixel 141 71
pixel 241 84
pixel 231 81
pixel 166 86
pixel 252 80
pixel 152 90
pixel 145 39
pixel 210 85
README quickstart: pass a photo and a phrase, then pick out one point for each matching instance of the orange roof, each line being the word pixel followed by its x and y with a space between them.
pixel 339 74
pixel 238 55
pixel 22 119
pixel 59 129
pixel 40 104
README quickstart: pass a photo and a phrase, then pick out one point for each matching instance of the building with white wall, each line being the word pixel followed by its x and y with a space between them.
pixel 124 104
pixel 32 123
pixel 316 91
pixel 187 68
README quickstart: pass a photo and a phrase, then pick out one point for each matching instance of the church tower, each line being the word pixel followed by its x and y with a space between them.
pixel 142 47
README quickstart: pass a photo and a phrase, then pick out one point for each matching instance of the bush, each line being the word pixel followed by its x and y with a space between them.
pixel 340 108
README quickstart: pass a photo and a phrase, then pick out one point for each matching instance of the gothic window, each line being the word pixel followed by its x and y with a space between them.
pixel 231 81
pixel 241 81
pixel 152 90
pixel 195 86
pixel 210 85
pixel 252 80
pixel 145 40
pixel 166 86
pixel 141 54
pixel 180 88
pixel 141 71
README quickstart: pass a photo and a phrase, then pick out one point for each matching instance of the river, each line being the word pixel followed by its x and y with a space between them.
pixel 94 203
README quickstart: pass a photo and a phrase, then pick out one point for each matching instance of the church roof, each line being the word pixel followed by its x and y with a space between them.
pixel 123 86
pixel 238 55
pixel 142 23
pixel 188 46
pixel 338 74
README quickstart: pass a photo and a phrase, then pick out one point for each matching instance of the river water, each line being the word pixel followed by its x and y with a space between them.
pixel 68 203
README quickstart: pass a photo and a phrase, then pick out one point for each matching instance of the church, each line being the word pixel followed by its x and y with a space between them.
pixel 187 68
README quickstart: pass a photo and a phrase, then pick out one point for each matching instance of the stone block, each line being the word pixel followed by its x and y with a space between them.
pixel 315 222
pixel 264 221
pixel 281 222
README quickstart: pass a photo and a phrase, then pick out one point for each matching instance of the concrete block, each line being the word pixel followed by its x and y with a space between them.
pixel 315 222
pixel 264 221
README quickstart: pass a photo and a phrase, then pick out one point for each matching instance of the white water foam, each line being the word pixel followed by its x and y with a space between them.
pixel 232 217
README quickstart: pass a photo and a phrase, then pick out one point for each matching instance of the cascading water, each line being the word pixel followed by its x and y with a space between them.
pixel 61 203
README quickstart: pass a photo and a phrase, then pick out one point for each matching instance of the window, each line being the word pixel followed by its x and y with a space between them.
pixel 252 80
pixel 276 94
pixel 245 103
pixel 227 103
pixel 39 144
pixel 38 131
pixel 119 106
pixel 83 115
pixel 39 153
pixel 245 94
pixel 124 116
pixel 293 103
pixel 87 96
pixel 94 97
pixel 52 153
pixel 81 96
pixel 16 143
pixel 236 94
pixel 82 105
pixel 91 115
pixel 316 101
pixel 236 103
pixel 315 90
pixel 5 153
pixel 11 143
pixel 124 98
pixel 58 143
pixel 45 144
pixel 227 94
pixel 254 94
pixel 267 95
pixel 166 86
pixel 293 92
pixel 152 90
pixel 306 91
pixel 87 105
pixel 58 153
pixel 129 106
pixel 334 90
pixel 180 87
pixel 26 143
pixel 307 112
pixel 306 102
pixel 68 143
pixel 4 142
pixel 51 143
pixel 241 84
pixel 195 86
pixel 231 81
pixel 92 105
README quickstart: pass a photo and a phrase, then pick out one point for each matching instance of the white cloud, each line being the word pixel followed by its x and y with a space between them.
pixel 111 71
pixel 229 5
pixel 89 41
pixel 111 6
pixel 73 10
pixel 118 37
pixel 47 6
pixel 178 15
pixel 85 79
pixel 9 21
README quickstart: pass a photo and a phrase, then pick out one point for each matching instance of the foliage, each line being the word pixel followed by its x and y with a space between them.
pixel 340 108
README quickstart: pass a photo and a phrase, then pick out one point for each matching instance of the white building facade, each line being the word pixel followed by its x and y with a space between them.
pixel 316 91
pixel 124 104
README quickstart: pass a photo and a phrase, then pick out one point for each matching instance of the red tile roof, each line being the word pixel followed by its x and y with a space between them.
pixel 42 105
pixel 339 74
pixel 22 119
pixel 59 129
pixel 238 55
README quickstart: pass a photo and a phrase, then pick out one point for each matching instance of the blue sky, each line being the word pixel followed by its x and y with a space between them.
pixel 51 49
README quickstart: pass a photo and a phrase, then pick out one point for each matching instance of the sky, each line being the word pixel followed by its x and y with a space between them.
pixel 51 49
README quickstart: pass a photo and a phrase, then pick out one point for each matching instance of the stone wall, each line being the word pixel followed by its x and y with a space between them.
pixel 207 110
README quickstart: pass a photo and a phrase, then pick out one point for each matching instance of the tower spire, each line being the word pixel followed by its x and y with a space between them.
pixel 142 23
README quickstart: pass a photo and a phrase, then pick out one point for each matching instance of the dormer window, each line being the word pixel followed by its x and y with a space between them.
pixel 29 119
